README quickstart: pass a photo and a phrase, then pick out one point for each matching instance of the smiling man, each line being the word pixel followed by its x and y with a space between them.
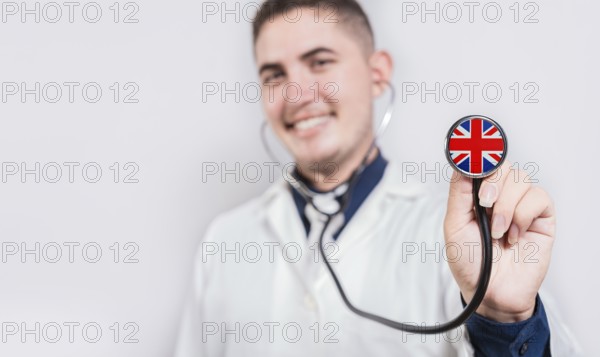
pixel 333 57
pixel 261 289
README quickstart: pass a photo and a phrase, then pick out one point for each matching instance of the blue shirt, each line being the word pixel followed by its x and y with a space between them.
pixel 365 183
pixel 530 337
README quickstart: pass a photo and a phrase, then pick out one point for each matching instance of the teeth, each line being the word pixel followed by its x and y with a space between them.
pixel 312 122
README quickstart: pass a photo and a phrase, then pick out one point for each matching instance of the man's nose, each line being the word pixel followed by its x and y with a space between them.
pixel 301 88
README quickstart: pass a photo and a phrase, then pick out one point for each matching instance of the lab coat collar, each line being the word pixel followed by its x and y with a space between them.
pixel 365 183
pixel 279 211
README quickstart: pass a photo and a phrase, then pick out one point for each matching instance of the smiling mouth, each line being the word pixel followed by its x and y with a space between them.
pixel 312 122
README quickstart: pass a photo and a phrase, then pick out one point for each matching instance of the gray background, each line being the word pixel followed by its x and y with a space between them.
pixel 171 134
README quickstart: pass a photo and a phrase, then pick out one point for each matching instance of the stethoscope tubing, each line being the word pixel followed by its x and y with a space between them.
pixel 483 281
pixel 482 221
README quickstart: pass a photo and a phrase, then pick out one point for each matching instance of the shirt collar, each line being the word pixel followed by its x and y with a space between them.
pixel 365 183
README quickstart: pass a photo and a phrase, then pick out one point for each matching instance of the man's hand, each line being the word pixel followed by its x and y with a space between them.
pixel 523 229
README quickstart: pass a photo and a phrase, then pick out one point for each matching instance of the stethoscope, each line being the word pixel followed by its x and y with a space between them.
pixel 470 129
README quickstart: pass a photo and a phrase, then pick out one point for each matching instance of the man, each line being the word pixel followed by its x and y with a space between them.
pixel 253 297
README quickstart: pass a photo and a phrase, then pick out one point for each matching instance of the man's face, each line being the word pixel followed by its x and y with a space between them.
pixel 317 87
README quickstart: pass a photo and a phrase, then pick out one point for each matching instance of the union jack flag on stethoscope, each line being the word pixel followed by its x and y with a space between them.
pixel 476 146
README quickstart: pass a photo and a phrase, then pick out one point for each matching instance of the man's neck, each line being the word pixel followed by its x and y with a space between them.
pixel 331 175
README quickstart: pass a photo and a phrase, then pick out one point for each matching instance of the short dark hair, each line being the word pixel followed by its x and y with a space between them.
pixel 347 12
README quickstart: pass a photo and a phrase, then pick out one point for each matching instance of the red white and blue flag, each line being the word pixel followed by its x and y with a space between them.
pixel 477 146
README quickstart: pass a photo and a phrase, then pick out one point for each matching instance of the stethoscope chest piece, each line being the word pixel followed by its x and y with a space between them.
pixel 476 146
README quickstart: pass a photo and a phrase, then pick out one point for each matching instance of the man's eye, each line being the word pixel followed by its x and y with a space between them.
pixel 321 63
pixel 273 76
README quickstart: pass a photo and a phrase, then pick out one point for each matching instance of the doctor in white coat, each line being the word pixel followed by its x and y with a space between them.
pixel 260 287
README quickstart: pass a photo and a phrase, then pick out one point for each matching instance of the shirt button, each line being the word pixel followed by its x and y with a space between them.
pixel 310 302
pixel 523 348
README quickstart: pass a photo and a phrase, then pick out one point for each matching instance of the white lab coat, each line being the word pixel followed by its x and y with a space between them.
pixel 269 295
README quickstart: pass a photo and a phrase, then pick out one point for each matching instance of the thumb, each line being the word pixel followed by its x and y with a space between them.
pixel 460 203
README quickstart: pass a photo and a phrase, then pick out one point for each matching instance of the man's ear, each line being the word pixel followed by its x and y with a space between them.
pixel 381 64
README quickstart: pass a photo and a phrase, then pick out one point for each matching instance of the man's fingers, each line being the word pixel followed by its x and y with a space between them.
pixel 460 203
pixel 492 186
pixel 505 205
pixel 535 204
pixel 461 193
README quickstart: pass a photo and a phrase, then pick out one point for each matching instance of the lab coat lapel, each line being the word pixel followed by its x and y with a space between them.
pixel 282 216
pixel 282 219
pixel 363 224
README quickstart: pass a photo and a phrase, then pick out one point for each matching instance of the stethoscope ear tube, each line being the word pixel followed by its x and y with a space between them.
pixel 483 281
